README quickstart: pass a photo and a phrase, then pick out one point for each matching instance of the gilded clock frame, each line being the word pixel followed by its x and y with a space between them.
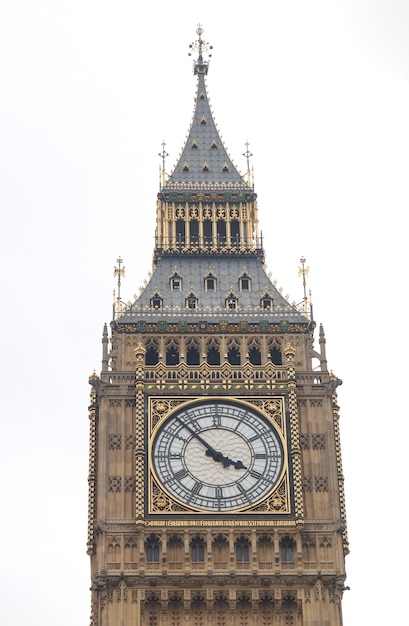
pixel 274 409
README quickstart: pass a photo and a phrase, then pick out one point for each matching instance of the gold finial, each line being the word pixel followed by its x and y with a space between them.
pixel 303 271
pixel 119 271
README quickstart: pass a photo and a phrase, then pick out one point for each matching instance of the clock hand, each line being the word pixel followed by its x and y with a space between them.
pixel 210 451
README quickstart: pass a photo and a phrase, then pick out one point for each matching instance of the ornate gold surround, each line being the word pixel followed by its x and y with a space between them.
pixel 160 504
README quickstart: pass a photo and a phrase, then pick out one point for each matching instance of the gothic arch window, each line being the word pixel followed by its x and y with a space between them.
pixel 325 550
pixel 242 551
pixel 254 353
pixel 208 232
pixel 172 354
pixel 175 607
pixel 152 549
pixel 156 301
pixel 180 232
pixel 213 353
pixel 192 353
pixel 197 549
pixel 194 232
pixel 276 356
pixel 233 354
pixel 221 232
pixel 309 551
pixel 235 233
pixel 265 550
pixel 152 353
pixel 287 552
pixel 220 551
pixel 175 549
pixel 198 609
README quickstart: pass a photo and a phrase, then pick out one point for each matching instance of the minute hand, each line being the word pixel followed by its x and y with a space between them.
pixel 210 451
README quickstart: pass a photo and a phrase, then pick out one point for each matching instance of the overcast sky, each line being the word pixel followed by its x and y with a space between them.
pixel 88 92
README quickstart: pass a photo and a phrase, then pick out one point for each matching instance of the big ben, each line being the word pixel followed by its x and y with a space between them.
pixel 215 477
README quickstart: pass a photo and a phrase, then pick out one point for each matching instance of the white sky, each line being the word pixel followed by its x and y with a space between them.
pixel 88 91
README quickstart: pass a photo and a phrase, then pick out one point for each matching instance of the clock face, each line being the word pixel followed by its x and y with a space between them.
pixel 217 456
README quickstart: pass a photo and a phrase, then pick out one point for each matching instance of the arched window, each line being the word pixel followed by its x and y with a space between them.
pixel 287 552
pixel 276 356
pixel 255 355
pixel 192 355
pixel 194 232
pixel 221 232
pixel 220 551
pixel 180 232
pixel 197 549
pixel 152 549
pixel 235 233
pixel 152 355
pixel 175 552
pixel 233 356
pixel 265 549
pixel 172 355
pixel 207 232
pixel 213 355
pixel 242 549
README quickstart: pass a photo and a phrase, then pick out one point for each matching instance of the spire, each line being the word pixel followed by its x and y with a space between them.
pixel 204 161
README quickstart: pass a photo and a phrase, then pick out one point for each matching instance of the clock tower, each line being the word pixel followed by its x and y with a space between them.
pixel 215 480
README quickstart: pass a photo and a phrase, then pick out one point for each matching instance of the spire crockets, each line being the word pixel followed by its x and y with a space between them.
pixel 206 206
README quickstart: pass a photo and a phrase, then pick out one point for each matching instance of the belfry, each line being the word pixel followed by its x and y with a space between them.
pixel 216 492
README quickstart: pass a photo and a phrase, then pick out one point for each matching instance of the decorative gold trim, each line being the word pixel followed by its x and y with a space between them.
pixel 162 503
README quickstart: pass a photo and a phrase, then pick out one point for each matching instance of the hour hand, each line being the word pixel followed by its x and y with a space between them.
pixel 226 462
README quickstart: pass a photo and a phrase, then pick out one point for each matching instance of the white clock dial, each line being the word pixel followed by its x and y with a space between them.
pixel 217 456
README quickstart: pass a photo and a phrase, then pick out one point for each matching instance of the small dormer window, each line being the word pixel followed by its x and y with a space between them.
pixel 156 301
pixel 245 283
pixel 176 283
pixel 266 302
pixel 191 302
pixel 194 145
pixel 231 303
pixel 210 283
pixel 202 96
pixel 203 120
pixel 225 168
pixel 214 145
pixel 185 168
pixel 205 167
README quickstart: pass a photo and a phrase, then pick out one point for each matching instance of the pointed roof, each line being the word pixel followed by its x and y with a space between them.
pixel 204 159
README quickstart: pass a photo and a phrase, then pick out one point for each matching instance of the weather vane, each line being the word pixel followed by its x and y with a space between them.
pixel 119 271
pixel 303 271
pixel 163 156
pixel 201 46
pixel 247 154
